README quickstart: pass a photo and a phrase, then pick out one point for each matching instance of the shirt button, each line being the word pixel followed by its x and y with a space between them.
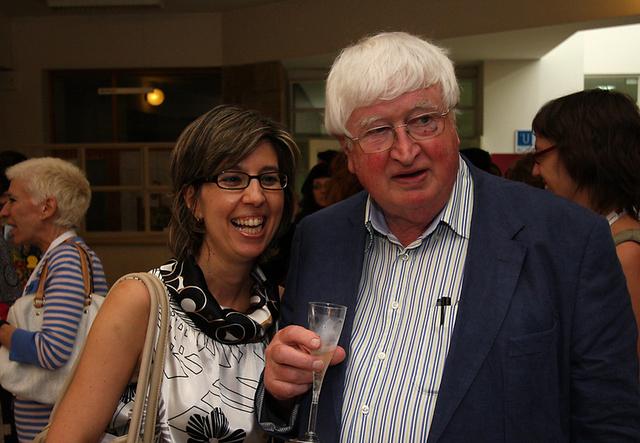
pixel 394 305
pixel 404 257
pixel 381 355
pixel 364 409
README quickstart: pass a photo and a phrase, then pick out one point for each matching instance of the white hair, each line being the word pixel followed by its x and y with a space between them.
pixel 383 67
pixel 53 177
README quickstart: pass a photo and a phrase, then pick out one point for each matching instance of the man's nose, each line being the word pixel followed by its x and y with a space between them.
pixel 404 148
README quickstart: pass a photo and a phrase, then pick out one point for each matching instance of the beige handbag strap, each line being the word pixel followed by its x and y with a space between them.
pixel 151 364
pixel 87 279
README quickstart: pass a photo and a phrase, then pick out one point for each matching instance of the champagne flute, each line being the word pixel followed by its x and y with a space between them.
pixel 326 320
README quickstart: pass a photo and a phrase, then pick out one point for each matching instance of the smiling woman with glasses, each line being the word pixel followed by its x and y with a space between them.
pixel 237 180
pixel 223 308
pixel 596 137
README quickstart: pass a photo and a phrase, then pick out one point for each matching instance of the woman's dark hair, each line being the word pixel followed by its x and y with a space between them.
pixel 215 141
pixel 597 137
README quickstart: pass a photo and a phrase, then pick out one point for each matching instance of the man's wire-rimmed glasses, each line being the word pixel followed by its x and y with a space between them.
pixel 237 180
pixel 419 128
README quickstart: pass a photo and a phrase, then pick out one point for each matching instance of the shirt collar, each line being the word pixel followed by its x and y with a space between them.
pixel 456 213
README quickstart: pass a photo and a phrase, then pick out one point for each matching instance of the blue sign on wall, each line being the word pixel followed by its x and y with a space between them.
pixel 524 141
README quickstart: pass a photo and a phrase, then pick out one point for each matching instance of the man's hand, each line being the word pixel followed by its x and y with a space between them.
pixel 289 365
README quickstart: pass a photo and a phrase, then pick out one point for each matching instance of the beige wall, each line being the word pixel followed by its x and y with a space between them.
pixel 39 44
pixel 70 42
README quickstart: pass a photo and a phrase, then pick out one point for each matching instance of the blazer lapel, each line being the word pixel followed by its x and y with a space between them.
pixel 492 269
pixel 352 249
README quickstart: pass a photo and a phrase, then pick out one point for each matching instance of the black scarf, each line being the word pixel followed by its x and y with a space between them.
pixel 188 289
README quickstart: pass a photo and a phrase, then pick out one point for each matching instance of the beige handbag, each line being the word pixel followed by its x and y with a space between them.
pixel 151 366
pixel 33 382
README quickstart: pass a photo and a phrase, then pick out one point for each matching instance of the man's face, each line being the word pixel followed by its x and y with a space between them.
pixel 412 181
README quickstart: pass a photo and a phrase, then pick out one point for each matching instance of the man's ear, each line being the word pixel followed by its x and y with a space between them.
pixel 191 200
pixel 49 208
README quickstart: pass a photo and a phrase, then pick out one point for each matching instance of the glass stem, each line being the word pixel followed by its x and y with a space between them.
pixel 313 411
pixel 313 414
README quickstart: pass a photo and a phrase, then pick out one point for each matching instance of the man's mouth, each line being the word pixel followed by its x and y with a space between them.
pixel 410 175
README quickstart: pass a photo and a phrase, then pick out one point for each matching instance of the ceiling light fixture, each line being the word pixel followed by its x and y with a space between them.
pixel 155 97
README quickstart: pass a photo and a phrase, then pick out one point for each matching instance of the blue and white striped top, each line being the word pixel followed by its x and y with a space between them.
pixel 51 347
pixel 401 334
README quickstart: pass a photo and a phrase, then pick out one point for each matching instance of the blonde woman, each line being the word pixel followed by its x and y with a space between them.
pixel 47 199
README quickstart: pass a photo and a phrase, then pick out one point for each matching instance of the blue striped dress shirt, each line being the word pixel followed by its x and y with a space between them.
pixel 401 333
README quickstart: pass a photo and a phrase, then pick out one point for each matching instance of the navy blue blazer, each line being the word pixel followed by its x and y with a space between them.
pixel 544 345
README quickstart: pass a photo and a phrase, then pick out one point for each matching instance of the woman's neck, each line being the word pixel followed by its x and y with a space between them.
pixel 229 283
pixel 47 235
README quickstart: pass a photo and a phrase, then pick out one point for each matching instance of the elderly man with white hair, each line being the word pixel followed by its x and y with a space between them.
pixel 478 309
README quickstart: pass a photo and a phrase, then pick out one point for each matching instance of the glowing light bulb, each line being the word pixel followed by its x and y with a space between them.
pixel 155 97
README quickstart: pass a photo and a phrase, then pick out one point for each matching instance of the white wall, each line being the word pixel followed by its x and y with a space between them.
pixel 515 90
pixel 511 90
pixel 612 50
pixel 561 70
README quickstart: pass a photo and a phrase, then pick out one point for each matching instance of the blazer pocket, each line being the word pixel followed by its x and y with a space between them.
pixel 533 343
pixel 531 388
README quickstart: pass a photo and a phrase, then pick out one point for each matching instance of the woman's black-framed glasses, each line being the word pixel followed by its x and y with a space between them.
pixel 236 180
pixel 538 154
pixel 421 127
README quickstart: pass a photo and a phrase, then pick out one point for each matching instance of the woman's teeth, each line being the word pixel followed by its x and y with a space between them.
pixel 249 225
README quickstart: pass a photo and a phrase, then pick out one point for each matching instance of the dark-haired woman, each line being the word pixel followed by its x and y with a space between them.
pixel 231 172
pixel 588 150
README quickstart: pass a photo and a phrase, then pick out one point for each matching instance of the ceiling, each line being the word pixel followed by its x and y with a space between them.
pixel 523 44
pixel 34 8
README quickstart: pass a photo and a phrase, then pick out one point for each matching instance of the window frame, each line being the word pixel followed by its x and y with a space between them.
pixel 474 73
pixel 145 188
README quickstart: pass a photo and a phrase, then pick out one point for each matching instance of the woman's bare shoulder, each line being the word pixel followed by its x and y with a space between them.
pixel 127 299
